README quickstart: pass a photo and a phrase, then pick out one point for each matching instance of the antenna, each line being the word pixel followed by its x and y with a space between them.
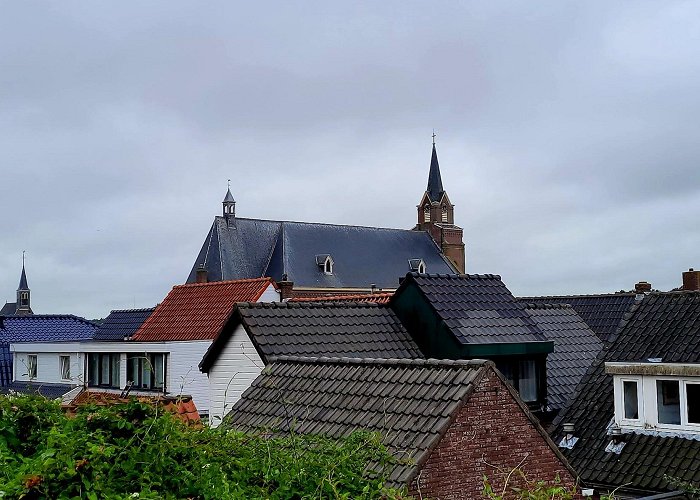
pixel 23 252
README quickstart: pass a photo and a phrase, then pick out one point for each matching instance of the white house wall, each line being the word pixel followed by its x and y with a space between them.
pixel 48 370
pixel 236 367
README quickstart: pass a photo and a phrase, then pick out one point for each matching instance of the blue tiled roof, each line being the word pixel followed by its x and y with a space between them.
pixel 122 323
pixel 5 365
pixel 252 248
pixel 51 391
pixel 45 328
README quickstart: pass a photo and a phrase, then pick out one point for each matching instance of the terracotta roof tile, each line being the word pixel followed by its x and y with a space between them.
pixel 197 311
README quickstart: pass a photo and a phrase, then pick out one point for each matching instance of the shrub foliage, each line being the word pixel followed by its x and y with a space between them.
pixel 136 450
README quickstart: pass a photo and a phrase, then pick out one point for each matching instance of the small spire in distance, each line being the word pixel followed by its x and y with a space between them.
pixel 435 188
pixel 23 278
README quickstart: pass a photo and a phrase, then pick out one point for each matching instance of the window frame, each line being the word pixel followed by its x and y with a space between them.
pixel 62 357
pixel 620 401
pixel 32 367
pixel 99 356
pixel 684 404
pixel 141 358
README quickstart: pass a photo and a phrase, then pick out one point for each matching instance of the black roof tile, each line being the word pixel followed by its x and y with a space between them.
pixel 122 323
pixel 655 328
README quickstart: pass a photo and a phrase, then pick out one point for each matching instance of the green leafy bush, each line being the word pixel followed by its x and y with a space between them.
pixel 137 450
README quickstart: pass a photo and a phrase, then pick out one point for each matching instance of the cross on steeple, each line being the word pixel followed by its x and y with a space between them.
pixel 433 137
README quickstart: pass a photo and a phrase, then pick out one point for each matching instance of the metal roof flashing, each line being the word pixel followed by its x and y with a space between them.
pixel 653 368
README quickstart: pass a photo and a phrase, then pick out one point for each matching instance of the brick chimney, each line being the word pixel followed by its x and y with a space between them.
pixel 286 288
pixel 201 274
pixel 691 280
pixel 642 287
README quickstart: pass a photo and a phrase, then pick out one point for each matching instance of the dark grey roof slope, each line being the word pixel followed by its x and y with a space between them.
pixel 9 309
pixel 313 329
pixel 435 189
pixel 252 248
pixel 51 391
pixel 478 308
pixel 664 325
pixel 603 312
pixel 121 324
pixel 45 328
pixel 575 348
pixel 410 402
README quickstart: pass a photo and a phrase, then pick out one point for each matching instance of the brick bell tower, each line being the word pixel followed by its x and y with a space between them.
pixel 436 216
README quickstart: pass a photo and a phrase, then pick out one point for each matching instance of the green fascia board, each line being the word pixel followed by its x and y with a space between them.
pixel 507 348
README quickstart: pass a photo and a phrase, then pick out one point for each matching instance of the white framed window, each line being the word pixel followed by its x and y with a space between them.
pixel 64 366
pixel 691 389
pixel 629 401
pixel 32 366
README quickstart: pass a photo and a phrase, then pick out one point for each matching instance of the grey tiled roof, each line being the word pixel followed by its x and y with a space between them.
pixel 51 391
pixel 332 329
pixel 9 309
pixel 122 323
pixel 253 248
pixel 409 402
pixel 477 308
pixel 663 325
pixel 602 312
pixel 575 348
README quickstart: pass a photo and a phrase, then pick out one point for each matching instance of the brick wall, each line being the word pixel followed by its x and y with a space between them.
pixel 490 436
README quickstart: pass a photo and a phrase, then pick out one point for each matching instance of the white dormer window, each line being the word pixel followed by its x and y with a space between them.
pixel 325 262
pixel 658 397
pixel 445 214
pixel 426 213
pixel 416 265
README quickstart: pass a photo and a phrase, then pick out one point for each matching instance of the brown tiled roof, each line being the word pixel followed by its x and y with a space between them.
pixel 411 402
pixel 197 311
pixel 377 298
pixel 182 406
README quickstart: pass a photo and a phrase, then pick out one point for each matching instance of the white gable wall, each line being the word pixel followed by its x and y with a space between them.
pixel 237 365
pixel 48 370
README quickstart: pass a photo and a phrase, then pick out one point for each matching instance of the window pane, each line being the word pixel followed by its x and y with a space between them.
pixel 132 369
pixel 31 366
pixel 507 370
pixel 668 401
pixel 114 365
pixel 64 362
pixel 158 371
pixel 104 369
pixel 631 400
pixel 146 373
pixel 93 369
pixel 528 381
pixel 692 392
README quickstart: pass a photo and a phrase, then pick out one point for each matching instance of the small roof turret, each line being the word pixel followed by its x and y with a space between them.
pixel 229 197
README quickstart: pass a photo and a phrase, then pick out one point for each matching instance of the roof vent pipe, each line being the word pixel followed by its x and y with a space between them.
pixel 201 274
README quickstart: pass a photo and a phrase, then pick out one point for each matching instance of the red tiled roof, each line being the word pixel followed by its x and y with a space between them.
pixel 197 311
pixel 182 406
pixel 377 298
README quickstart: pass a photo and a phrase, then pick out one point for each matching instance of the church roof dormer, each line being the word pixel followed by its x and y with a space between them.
pixel 435 189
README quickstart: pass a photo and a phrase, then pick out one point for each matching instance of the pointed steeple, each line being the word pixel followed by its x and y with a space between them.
pixel 435 188
pixel 229 204
pixel 23 304
pixel 229 197
pixel 23 280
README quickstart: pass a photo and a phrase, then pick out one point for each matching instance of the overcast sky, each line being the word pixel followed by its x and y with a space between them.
pixel 568 135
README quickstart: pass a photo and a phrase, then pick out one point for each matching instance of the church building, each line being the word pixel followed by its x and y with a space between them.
pixel 317 259
pixel 22 307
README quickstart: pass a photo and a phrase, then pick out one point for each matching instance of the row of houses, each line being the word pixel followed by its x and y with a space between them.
pixel 327 329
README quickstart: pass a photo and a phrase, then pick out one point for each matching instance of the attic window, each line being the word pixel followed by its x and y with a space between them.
pixel 417 265
pixel 426 213
pixel 325 262
pixel 656 397
pixel 445 214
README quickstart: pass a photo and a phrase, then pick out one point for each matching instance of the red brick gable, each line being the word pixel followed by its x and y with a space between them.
pixel 490 436
pixel 197 311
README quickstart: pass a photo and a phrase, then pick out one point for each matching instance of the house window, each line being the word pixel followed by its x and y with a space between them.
pixel 146 371
pixel 630 395
pixel 103 369
pixel 64 367
pixel 445 214
pixel 426 213
pixel 524 376
pixel 32 365
pixel 668 401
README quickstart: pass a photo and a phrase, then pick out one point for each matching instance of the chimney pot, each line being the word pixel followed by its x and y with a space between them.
pixel 286 288
pixel 691 280
pixel 642 287
pixel 201 274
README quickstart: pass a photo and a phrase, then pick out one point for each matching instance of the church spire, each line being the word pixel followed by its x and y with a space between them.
pixel 23 277
pixel 229 204
pixel 23 306
pixel 435 189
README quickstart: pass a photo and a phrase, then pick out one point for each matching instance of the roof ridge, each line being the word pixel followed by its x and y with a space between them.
pixel 431 362
pixel 138 309
pixel 345 304
pixel 456 276
pixel 225 282
pixel 536 305
pixel 329 224
pixel 576 296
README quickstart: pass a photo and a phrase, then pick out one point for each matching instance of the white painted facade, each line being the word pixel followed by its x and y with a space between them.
pixel 47 367
pixel 237 365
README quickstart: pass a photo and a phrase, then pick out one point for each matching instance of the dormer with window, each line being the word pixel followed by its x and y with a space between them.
pixel 417 265
pixel 325 263
pixel 656 397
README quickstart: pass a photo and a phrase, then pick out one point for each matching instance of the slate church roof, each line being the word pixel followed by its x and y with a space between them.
pixel 575 348
pixel 602 312
pixel 238 248
pixel 122 324
pixel 663 325
pixel 411 402
pixel 313 329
